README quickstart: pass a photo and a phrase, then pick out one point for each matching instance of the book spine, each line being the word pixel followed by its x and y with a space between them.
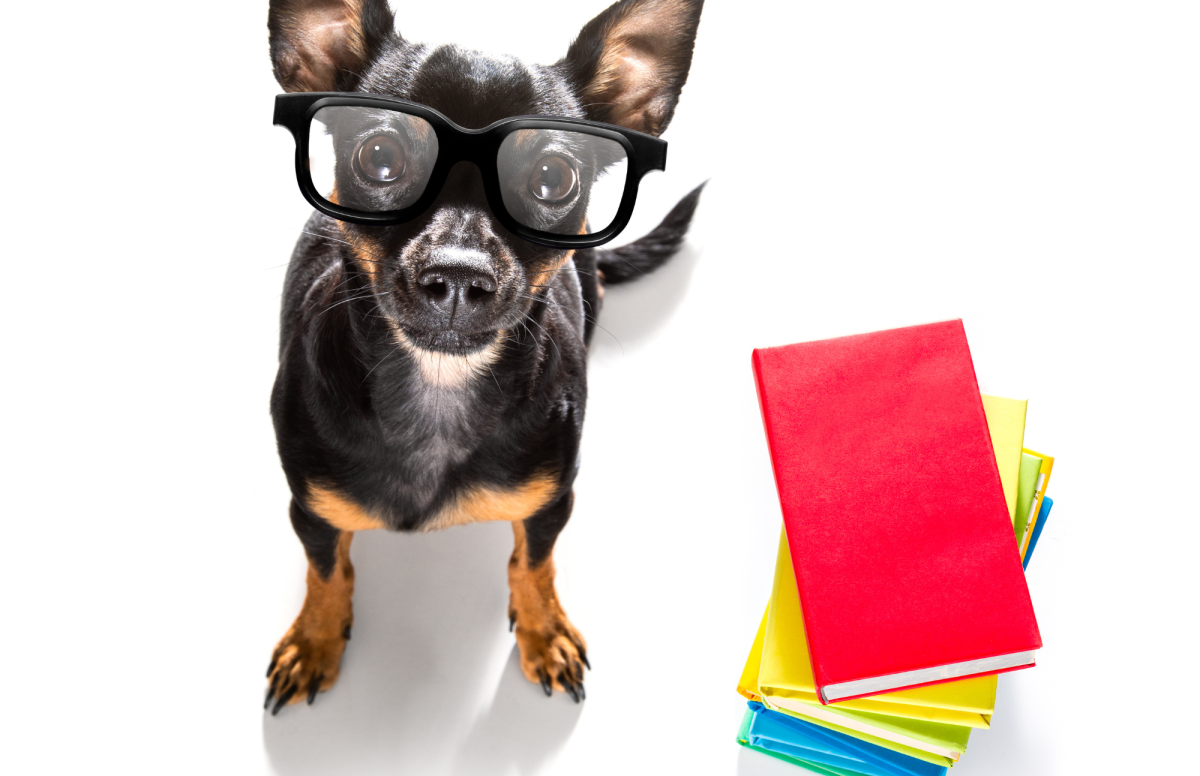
pixel 756 363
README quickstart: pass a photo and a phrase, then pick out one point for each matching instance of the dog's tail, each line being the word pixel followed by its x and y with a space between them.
pixel 646 254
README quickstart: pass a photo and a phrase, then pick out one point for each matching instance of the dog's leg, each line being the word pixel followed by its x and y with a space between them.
pixel 309 656
pixel 553 653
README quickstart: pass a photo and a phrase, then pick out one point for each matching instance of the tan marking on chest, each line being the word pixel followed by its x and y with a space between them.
pixel 449 371
pixel 482 504
pixel 339 511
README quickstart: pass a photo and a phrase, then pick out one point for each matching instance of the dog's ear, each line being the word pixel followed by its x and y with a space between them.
pixel 629 64
pixel 324 45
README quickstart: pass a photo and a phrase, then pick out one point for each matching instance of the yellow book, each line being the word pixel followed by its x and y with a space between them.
pixel 930 722
pixel 785 674
pixel 1039 492
pixel 748 683
pixel 1006 422
pixel 938 744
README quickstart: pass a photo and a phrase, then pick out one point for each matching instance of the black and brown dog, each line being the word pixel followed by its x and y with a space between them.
pixel 393 412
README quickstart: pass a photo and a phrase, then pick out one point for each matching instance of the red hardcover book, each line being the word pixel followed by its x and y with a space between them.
pixel 905 559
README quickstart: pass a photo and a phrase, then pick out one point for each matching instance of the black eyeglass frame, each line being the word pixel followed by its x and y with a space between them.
pixel 478 146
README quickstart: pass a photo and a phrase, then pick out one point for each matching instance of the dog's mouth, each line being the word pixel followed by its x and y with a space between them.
pixel 449 341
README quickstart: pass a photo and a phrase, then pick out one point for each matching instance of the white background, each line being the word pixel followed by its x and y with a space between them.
pixel 1031 167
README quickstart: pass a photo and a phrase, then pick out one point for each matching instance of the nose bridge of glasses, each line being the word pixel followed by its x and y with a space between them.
pixel 463 185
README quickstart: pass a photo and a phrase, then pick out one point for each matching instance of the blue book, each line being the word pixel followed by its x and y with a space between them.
pixel 743 738
pixel 1043 516
pixel 777 732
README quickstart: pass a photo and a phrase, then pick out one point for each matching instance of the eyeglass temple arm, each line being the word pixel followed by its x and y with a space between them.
pixel 290 108
pixel 652 150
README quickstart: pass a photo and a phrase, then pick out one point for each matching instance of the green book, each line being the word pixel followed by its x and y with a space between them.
pixel 851 720
pixel 1031 465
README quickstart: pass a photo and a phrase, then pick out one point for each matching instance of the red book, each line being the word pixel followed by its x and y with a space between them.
pixel 906 563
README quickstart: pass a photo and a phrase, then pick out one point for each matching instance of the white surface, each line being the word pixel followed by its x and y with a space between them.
pixel 871 164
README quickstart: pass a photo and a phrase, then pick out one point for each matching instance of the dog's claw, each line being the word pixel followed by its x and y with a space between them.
pixel 314 686
pixel 346 633
pixel 512 622
pixel 271 688
pixel 545 684
pixel 582 694
pixel 583 657
pixel 271 668
pixel 283 699
pixel 569 687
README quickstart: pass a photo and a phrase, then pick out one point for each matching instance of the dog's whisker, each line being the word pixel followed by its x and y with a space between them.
pixel 549 337
pixel 341 302
pixel 326 237
pixel 496 379
pixel 385 358
pixel 592 320
pixel 588 318
pixel 347 300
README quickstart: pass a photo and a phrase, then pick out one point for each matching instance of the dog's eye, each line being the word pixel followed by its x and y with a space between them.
pixel 553 179
pixel 381 159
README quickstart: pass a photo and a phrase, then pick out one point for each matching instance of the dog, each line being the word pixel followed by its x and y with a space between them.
pixel 386 415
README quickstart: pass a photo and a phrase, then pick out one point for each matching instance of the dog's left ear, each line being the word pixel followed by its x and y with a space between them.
pixel 324 45
pixel 629 64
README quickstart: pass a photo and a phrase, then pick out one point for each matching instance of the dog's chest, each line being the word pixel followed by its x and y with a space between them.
pixel 430 434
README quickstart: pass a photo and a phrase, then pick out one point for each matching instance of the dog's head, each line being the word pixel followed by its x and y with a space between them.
pixel 452 280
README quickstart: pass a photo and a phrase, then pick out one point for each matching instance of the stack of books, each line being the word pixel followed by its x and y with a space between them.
pixel 910 508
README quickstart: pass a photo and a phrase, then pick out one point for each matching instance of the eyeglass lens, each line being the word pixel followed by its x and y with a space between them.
pixel 377 160
pixel 549 178
pixel 370 159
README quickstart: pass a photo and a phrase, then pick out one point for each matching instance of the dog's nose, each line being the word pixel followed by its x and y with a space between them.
pixel 457 282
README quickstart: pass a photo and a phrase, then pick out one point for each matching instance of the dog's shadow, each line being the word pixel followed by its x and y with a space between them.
pixel 632 313
pixel 430 622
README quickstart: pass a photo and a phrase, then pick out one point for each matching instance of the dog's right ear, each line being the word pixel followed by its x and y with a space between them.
pixel 324 45
pixel 629 64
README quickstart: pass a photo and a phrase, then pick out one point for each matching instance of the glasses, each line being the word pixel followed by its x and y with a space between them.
pixel 564 183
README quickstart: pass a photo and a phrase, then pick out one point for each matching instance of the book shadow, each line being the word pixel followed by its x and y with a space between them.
pixel 1013 743
pixel 430 612
pixel 752 763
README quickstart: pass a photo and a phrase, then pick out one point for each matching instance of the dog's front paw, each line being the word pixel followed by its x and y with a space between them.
pixel 304 664
pixel 553 654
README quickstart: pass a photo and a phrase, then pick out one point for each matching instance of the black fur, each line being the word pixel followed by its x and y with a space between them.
pixel 354 411
pixel 646 254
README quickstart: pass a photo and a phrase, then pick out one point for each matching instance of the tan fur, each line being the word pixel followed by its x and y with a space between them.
pixel 365 253
pixel 419 128
pixel 477 505
pixel 543 278
pixel 550 645
pixel 311 651
pixel 339 511
pixel 450 371
pixel 481 504
pixel 525 138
